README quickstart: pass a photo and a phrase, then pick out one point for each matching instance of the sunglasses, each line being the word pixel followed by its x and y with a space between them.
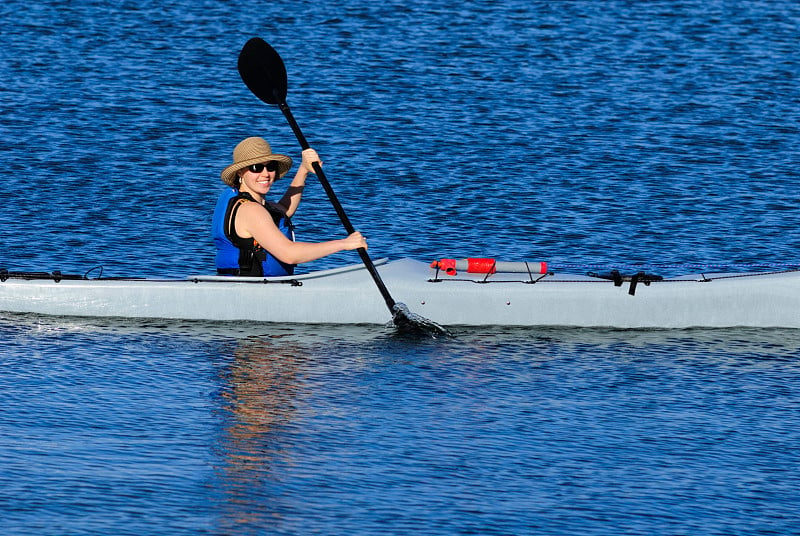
pixel 272 165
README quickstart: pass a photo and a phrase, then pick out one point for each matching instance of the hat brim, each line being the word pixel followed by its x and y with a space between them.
pixel 228 174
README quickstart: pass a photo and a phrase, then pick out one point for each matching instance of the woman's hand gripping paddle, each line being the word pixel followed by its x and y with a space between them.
pixel 264 73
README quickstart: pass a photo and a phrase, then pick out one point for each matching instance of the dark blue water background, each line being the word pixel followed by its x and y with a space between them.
pixel 577 132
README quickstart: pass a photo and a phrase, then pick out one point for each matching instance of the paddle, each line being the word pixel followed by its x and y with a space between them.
pixel 264 73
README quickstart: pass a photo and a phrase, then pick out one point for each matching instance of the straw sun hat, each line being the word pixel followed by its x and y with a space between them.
pixel 253 151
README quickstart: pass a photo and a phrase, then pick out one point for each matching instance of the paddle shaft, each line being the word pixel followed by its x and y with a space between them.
pixel 365 258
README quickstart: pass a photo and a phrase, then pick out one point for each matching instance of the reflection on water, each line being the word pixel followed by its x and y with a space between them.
pixel 262 388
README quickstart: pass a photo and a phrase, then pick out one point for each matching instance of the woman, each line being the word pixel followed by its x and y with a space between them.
pixel 255 237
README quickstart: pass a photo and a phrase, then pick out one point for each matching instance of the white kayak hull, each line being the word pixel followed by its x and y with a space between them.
pixel 349 296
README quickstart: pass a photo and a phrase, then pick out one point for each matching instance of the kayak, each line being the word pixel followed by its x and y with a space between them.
pixel 448 292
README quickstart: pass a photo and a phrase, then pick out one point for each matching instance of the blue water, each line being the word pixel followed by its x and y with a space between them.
pixel 580 133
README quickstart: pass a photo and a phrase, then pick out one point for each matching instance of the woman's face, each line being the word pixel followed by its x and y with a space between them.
pixel 258 178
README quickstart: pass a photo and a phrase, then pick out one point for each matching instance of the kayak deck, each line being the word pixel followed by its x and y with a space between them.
pixel 348 296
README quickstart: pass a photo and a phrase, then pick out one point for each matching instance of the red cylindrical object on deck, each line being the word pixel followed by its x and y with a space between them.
pixel 488 266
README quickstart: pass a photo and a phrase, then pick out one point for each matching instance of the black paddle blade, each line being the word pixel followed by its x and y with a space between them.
pixel 262 71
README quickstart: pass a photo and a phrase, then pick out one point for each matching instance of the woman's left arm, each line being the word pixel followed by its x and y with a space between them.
pixel 291 199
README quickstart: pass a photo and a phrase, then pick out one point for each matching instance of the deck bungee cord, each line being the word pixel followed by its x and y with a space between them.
pixel 692 266
pixel 489 267
pixel 57 276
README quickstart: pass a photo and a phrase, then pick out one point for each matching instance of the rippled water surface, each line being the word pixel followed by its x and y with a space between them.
pixel 575 132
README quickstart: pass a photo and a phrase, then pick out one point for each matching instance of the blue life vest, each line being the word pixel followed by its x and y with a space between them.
pixel 243 256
